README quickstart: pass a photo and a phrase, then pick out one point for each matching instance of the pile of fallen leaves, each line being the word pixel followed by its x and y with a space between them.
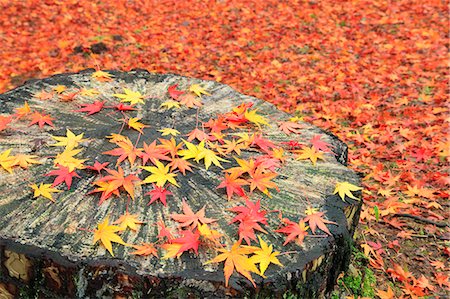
pixel 373 72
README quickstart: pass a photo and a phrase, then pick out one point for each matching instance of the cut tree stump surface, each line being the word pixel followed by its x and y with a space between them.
pixel 47 247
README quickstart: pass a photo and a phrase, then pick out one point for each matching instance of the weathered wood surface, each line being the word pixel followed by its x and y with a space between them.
pixel 45 240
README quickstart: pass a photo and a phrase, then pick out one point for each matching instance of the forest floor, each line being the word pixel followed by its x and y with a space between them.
pixel 375 73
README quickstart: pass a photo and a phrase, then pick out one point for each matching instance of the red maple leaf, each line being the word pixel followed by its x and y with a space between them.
pixel 264 144
pixel 158 193
pixel 123 107
pixel 189 218
pixel 316 221
pixel 249 217
pixel 294 231
pixel 98 166
pixel 63 175
pixel 41 119
pixel 189 240
pixel 233 184
pixel 173 92
pixel 320 145
pixel 4 121
pixel 153 153
pixel 91 108
pixel 164 232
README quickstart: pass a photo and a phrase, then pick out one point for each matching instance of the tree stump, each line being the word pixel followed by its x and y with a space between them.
pixel 46 247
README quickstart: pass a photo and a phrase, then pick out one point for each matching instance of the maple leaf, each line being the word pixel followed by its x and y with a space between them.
pixel 133 97
pixel 254 117
pixel 70 141
pixel 41 120
pixel 289 127
pixel 134 123
pixel 189 218
pixel 315 220
pixel 208 233
pixel 4 122
pixel 191 152
pixel 158 193
pixel 180 164
pixel 198 90
pixel 177 246
pixel 249 216
pixel 59 88
pixel 91 108
pixel 122 107
pixel 164 232
pixel 67 159
pixel 89 92
pixel 321 145
pixel 295 231
pixel 159 175
pixel 106 234
pixel 126 150
pixel 197 134
pixel 68 97
pixel 169 131
pixel 264 256
pixel 173 92
pixel 265 144
pixel 98 166
pixel 170 146
pixel 24 160
pixel 145 249
pixel 389 294
pixel 261 180
pixel 128 220
pixel 208 156
pixel 170 104
pixel 346 189
pixel 21 111
pixel 44 190
pixel 309 153
pixel 102 76
pixel 153 153
pixel 190 101
pixel 233 184
pixel 236 259
pixel 62 175
pixel 111 183
pixel 43 95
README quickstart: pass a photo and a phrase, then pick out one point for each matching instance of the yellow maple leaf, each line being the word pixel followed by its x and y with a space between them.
pixel 345 189
pixel 102 76
pixel 7 161
pixel 236 258
pixel 254 117
pixel 198 90
pixel 208 156
pixel 191 152
pixel 133 97
pixel 44 190
pixel 106 234
pixel 59 89
pixel 70 141
pixel 208 233
pixel 128 220
pixel 173 250
pixel 134 123
pixel 89 92
pixel 264 256
pixel 170 104
pixel 67 159
pixel 24 160
pixel 22 111
pixel 310 153
pixel 159 175
pixel 169 131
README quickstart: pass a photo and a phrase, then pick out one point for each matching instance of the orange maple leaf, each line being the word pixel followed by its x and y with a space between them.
pixel 190 218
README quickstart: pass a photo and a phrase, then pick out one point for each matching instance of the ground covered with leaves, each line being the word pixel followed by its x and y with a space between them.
pixel 374 73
